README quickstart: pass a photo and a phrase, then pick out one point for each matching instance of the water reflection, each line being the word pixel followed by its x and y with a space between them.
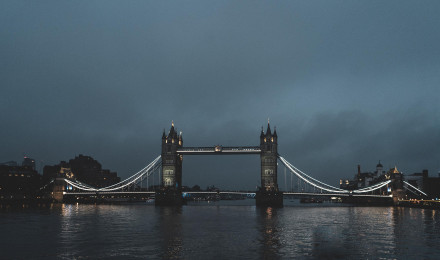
pixel 220 232
pixel 335 232
pixel 416 231
pixel 330 236
pixel 170 230
pixel 270 232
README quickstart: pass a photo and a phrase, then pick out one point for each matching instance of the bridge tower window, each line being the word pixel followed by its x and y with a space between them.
pixel 167 181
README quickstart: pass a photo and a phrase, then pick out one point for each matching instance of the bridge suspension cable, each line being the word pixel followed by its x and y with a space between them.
pixel 134 177
pixel 78 186
pixel 326 187
pixel 310 177
pixel 411 186
pixel 144 173
pixel 292 170
pixel 373 187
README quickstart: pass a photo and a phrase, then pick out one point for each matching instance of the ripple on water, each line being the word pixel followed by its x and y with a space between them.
pixel 219 231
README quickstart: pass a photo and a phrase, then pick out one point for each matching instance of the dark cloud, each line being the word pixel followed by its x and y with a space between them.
pixel 346 82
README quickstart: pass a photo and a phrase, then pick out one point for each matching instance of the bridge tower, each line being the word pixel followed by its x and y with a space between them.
pixel 268 194
pixel 269 153
pixel 396 184
pixel 171 182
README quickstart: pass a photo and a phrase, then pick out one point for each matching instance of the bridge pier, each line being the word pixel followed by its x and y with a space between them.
pixel 58 190
pixel 168 197
pixel 269 198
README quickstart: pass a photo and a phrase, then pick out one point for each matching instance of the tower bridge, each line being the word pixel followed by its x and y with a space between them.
pixel 169 168
pixel 172 158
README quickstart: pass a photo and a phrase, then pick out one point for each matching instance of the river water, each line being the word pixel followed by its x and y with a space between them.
pixel 220 230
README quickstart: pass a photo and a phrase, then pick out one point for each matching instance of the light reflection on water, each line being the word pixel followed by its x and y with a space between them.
pixel 219 231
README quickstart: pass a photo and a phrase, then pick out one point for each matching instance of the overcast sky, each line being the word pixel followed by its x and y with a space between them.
pixel 345 82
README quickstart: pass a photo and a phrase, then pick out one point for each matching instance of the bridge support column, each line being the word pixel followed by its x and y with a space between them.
pixel 269 194
pixel 396 185
pixel 170 192
pixel 58 190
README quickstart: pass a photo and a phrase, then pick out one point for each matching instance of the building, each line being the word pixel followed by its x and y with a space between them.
pixel 10 163
pixel 429 185
pixel 84 169
pixel 19 182
pixel 61 170
pixel 29 162
pixel 364 179
pixel 417 179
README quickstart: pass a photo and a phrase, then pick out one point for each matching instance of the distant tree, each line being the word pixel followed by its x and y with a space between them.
pixel 212 188
pixel 196 188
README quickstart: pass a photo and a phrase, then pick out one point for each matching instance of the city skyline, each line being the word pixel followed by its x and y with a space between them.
pixel 345 84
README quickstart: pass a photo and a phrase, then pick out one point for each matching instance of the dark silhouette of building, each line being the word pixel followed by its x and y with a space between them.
pixel 429 185
pixel 84 169
pixel 364 179
pixel 19 182
pixel 417 179
pixel 61 170
pixel 29 162
pixel 10 163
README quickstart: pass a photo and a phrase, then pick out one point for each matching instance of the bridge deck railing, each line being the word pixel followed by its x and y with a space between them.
pixel 220 149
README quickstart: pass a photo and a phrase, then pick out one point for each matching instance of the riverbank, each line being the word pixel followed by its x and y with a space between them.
pixel 425 204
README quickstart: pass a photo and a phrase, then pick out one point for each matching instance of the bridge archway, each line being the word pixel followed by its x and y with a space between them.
pixel 227 172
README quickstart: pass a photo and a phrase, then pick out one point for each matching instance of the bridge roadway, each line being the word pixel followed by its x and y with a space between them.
pixel 219 150
pixel 295 194
pixel 153 192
